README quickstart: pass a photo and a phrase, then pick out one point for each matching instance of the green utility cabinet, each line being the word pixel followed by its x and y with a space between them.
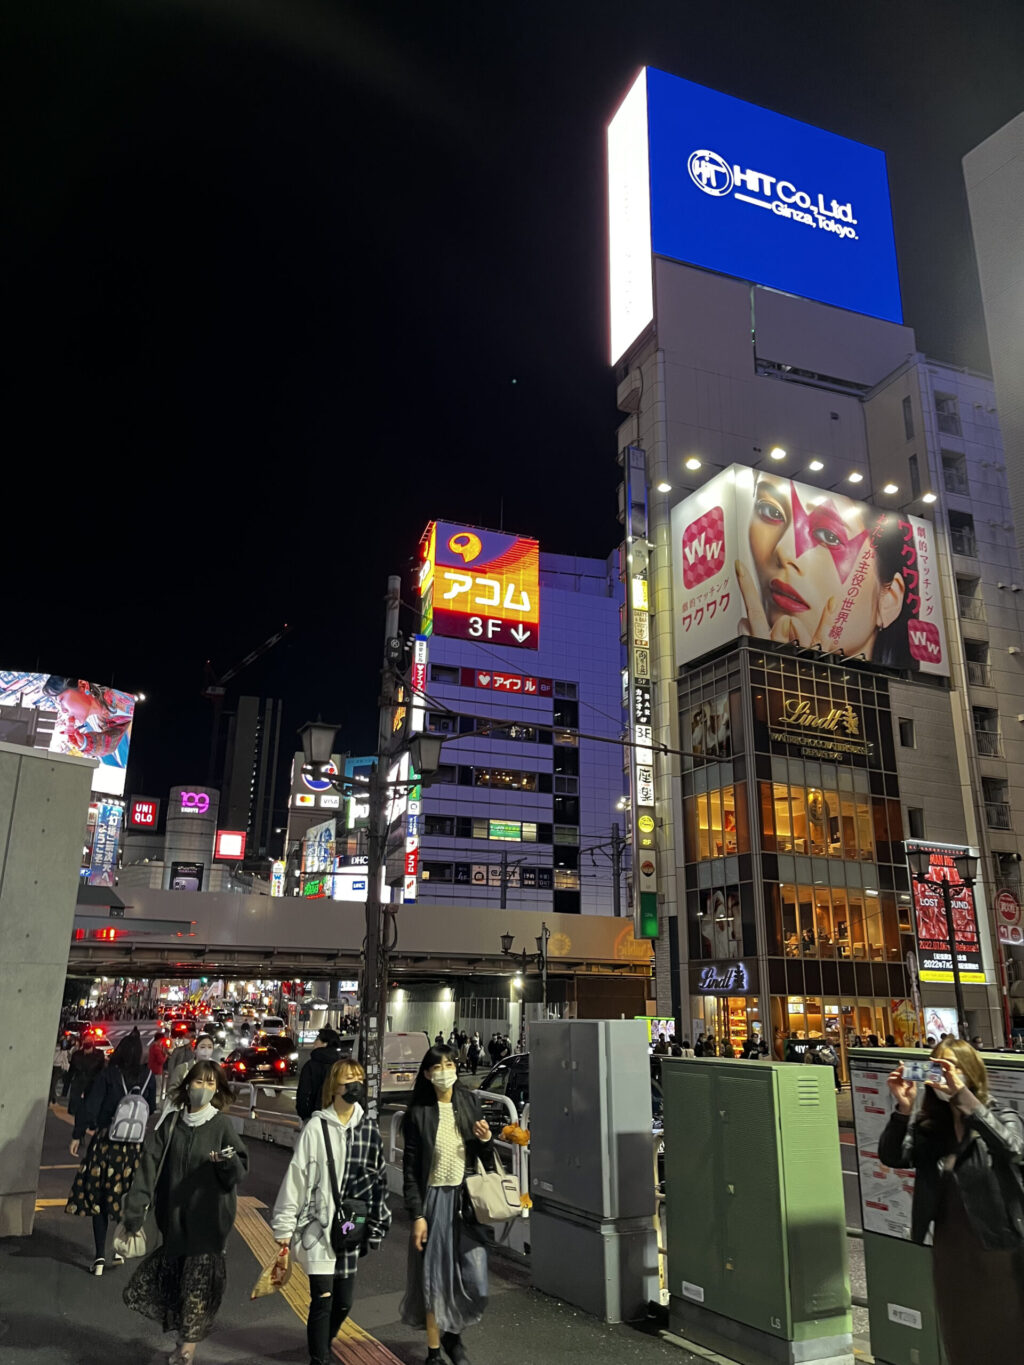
pixel 755 1217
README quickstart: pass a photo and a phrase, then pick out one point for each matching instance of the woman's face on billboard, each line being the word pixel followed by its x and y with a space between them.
pixel 805 559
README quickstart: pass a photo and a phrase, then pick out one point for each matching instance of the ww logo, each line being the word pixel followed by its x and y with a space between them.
pixel 704 547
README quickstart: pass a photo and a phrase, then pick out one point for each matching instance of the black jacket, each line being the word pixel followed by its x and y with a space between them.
pixel 988 1170
pixel 106 1093
pixel 419 1131
pixel 83 1070
pixel 195 1202
pixel 312 1077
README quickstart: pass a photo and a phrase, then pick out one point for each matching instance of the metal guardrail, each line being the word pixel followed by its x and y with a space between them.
pixel 515 1157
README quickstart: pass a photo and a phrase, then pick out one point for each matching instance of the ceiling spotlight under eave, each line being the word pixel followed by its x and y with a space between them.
pixel 855 477
pixel 776 453
pixel 816 466
pixel 692 463
pixel 663 487
pixel 928 498
pixel 890 488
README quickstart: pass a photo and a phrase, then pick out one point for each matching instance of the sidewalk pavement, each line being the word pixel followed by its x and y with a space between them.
pixel 52 1312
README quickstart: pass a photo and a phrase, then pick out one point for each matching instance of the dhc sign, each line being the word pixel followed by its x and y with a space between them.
pixel 688 166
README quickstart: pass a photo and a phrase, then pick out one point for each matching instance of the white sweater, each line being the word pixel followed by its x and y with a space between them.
pixel 304 1208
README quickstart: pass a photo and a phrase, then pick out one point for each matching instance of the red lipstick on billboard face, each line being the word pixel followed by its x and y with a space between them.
pixel 786 598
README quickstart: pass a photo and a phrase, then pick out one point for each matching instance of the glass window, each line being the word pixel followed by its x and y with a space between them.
pixel 768 839
pixel 566 879
pixel 436 872
pixel 566 834
pixel 908 418
pixel 441 673
pixel 907 738
pixel 505 779
pixel 529 828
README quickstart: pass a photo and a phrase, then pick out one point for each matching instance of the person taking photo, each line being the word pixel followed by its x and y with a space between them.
pixel 968 1154
pixel 200 1158
pixel 445 1135
pixel 305 1207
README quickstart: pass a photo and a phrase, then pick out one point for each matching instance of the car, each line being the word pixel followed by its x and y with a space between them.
pixel 403 1053
pixel 284 1047
pixel 182 1028
pixel 256 1064
pixel 78 1030
pixel 272 1024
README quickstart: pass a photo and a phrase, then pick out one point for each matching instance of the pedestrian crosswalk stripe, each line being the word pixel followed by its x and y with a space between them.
pixel 360 1348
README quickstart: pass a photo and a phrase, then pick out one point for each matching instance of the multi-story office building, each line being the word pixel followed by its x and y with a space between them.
pixel 834 636
pixel 525 791
pixel 250 739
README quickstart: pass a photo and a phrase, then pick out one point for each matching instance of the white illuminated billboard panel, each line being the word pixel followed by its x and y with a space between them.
pixel 630 289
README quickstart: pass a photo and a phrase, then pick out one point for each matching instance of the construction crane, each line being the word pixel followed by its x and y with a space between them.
pixel 214 691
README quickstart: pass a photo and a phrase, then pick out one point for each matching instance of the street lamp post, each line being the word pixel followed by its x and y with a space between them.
pixel 966 865
pixel 525 959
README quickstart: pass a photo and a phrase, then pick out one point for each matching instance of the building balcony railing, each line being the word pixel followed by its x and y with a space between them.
pixel 988 743
pixel 997 814
pixel 971 608
pixel 948 422
pixel 963 543
pixel 978 674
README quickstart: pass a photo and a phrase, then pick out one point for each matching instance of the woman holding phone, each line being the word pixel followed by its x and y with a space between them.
pixel 445 1135
pixel 968 1154
pixel 200 1158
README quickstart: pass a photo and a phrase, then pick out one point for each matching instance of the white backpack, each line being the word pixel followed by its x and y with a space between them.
pixel 131 1115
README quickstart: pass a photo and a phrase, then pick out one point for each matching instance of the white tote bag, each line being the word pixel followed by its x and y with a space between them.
pixel 493 1194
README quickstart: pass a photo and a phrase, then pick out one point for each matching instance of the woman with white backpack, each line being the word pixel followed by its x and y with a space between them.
pixel 115 1113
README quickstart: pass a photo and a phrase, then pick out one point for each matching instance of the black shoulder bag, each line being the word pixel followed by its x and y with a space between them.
pixel 348 1226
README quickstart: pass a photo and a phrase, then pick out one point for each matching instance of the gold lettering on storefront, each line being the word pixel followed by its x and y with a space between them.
pixel 839 719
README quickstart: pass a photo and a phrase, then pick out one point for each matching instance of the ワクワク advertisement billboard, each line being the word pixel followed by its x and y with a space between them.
pixel 71 716
pixel 687 166
pixel 480 585
pixel 933 948
pixel 755 553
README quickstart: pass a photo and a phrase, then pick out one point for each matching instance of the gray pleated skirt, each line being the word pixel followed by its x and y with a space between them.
pixel 448 1278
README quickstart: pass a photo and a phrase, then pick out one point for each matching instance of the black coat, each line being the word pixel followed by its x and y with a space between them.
pixel 195 1202
pixel 83 1069
pixel 988 1170
pixel 419 1131
pixel 106 1094
pixel 312 1078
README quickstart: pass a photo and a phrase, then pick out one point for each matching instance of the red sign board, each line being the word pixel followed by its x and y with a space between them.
pixel 143 812
pixel 516 684
pixel 230 843
pixel 481 585
pixel 934 954
pixel 1007 908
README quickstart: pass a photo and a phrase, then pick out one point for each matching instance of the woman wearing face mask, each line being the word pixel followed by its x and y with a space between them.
pixel 445 1134
pixel 304 1209
pixel 181 1283
pixel 108 1168
pixel 968 1154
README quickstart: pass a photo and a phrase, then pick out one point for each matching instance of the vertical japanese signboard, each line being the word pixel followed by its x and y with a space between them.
pixel 933 946
pixel 640 700
pixel 106 841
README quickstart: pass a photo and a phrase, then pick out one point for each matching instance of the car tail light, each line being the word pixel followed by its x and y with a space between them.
pixel 239 1066
pixel 280 1065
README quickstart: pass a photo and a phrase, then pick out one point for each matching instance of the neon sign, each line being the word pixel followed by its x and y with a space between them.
pixel 733 980
pixel 480 585
pixel 194 803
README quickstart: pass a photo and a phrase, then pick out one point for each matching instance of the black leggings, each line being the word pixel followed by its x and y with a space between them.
pixel 99 1233
pixel 330 1299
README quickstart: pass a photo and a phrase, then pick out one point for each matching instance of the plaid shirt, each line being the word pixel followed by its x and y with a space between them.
pixel 305 1204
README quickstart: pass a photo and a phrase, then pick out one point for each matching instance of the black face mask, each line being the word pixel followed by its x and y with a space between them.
pixel 354 1092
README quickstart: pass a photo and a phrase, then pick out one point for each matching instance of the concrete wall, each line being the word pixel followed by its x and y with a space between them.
pixel 44 799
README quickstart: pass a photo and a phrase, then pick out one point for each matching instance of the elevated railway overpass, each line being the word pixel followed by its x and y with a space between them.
pixel 148 933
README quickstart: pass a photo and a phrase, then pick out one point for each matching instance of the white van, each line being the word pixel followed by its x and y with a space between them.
pixel 273 1025
pixel 403 1053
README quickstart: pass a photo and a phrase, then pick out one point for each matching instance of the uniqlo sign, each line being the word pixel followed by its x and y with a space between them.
pixel 143 812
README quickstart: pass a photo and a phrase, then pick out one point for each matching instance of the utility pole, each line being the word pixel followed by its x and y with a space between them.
pixel 504 879
pixel 374 987
pixel 616 870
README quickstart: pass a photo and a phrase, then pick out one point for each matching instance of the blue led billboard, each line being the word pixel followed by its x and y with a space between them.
pixel 746 192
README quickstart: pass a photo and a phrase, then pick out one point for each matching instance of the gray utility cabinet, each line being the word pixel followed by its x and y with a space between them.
pixel 592 1238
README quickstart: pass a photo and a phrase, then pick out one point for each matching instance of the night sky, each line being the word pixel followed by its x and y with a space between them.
pixel 284 280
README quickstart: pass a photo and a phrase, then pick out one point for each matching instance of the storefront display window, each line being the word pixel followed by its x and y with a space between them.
pixel 823 922
pixel 716 824
pixel 827 824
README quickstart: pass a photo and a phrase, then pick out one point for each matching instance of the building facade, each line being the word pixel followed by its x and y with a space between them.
pixel 785 901
pixel 531 784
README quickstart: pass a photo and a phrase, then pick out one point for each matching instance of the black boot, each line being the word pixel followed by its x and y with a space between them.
pixel 434 1355
pixel 454 1349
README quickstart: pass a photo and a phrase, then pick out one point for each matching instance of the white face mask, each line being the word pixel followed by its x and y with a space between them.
pixel 443 1080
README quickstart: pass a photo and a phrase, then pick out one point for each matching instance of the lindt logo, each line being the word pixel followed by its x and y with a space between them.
pixel 704 547
pixel 925 644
